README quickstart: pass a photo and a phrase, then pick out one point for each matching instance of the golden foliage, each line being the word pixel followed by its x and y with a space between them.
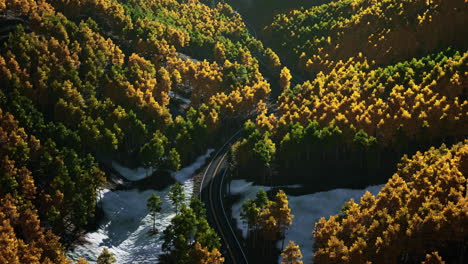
pixel 201 255
pixel 291 254
pixel 422 207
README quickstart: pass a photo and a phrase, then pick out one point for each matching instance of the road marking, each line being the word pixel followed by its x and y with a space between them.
pixel 211 197
pixel 227 220
pixel 212 208
pixel 216 154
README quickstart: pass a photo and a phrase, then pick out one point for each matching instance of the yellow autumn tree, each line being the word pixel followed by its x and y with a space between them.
pixel 282 213
pixel 285 79
pixel 433 258
pixel 272 59
pixel 202 255
pixel 291 254
pixel 413 213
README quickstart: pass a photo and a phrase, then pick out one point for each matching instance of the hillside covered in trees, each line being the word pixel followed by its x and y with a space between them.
pixel 155 83
pixel 378 80
pixel 420 214
pixel 362 106
pixel 84 80
pixel 383 31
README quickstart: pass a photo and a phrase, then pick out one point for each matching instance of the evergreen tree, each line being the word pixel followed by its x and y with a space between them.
pixel 187 229
pixel 261 199
pixel 179 234
pixel 176 195
pixel 291 254
pixel 106 257
pixel 412 198
pixel 154 206
pixel 202 255
pixel 173 160
pixel 198 207
pixel 152 153
pixel 282 213
pixel 249 214
pixel 285 79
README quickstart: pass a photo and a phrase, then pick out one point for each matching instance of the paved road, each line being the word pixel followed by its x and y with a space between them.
pixel 211 193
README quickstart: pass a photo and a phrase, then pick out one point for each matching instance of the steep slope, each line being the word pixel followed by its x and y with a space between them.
pixel 421 210
pixel 383 31
pixel 146 83
pixel 363 107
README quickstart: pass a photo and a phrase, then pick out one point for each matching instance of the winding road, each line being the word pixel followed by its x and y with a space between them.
pixel 211 193
pixel 212 187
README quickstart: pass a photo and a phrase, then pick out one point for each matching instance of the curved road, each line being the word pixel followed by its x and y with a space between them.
pixel 211 193
pixel 212 188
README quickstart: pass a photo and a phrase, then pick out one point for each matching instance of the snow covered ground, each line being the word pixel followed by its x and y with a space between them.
pixel 307 210
pixel 131 174
pixel 126 224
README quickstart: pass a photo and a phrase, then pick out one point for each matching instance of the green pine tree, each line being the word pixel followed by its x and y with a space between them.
pixel 154 206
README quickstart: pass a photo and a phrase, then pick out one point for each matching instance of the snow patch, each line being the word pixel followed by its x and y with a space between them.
pixel 100 194
pixel 307 210
pixel 187 172
pixel 246 190
pixel 126 223
pixel 131 174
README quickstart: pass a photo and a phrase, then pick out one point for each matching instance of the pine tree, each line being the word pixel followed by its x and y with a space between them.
pixel 272 59
pixel 201 255
pixel 198 207
pixel 152 153
pixel 253 214
pixel 282 213
pixel 219 53
pixel 179 234
pixel 106 257
pixel 8 242
pixel 291 254
pixel 173 160
pixel 249 214
pixel 285 79
pixel 413 198
pixel 154 206
pixel 261 199
pixel 176 195
pixel 187 229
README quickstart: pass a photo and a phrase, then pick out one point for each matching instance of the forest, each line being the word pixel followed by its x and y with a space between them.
pixel 321 94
